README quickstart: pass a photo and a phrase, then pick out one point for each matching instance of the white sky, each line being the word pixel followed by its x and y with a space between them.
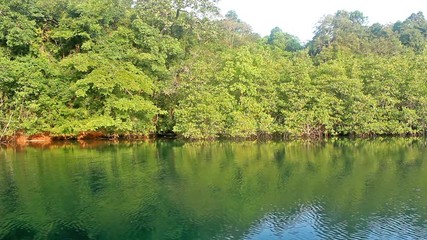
pixel 299 17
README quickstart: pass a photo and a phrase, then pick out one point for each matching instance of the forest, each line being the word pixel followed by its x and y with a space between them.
pixel 135 68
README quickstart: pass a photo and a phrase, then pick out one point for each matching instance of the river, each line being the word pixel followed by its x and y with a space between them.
pixel 333 189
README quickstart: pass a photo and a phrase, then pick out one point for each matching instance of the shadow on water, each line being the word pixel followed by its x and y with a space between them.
pixel 19 231
pixel 97 178
pixel 68 231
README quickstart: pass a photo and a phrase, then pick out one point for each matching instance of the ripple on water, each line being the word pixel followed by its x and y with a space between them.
pixel 305 222
pixel 399 227
pixel 68 230
pixel 311 222
pixel 17 230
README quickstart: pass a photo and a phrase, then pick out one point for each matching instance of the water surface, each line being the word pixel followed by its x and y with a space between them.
pixel 338 189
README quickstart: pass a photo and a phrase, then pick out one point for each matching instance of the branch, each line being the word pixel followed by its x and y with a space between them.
pixel 6 127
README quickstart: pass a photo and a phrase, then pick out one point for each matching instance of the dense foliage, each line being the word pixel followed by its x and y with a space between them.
pixel 127 67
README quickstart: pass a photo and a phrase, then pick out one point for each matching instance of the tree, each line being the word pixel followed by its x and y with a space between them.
pixel 284 41
pixel 413 31
pixel 344 31
pixel 235 32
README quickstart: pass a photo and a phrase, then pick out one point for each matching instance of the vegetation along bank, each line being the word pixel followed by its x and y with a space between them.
pixel 124 68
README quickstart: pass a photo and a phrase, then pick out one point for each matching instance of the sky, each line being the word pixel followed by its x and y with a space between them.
pixel 299 17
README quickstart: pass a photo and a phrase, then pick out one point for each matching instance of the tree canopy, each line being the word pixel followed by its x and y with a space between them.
pixel 128 68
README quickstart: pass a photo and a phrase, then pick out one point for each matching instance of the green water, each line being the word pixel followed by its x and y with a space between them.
pixel 342 189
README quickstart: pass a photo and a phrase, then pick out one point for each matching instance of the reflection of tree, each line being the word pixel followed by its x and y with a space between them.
pixel 170 190
pixel 97 178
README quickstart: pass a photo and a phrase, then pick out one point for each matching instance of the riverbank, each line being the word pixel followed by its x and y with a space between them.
pixel 20 138
pixel 97 138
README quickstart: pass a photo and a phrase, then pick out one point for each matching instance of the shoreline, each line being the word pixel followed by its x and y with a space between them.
pixel 91 139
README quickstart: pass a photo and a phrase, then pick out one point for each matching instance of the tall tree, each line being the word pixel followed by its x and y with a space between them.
pixel 413 31
pixel 344 31
pixel 284 41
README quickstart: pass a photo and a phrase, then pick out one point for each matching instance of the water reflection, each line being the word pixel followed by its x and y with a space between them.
pixel 97 178
pixel 306 222
pixel 19 230
pixel 339 189
pixel 68 230
pixel 311 222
